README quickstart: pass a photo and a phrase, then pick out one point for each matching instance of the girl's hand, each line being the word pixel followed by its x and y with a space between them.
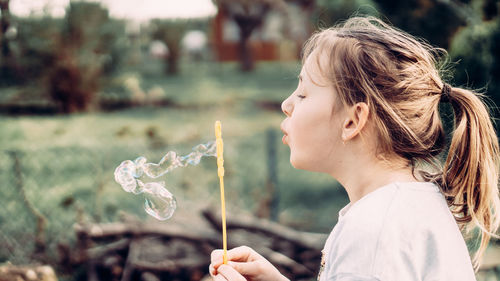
pixel 243 264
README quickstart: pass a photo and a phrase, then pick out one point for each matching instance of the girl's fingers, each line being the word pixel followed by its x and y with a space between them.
pixel 229 273
pixel 212 270
pixel 216 256
pixel 242 253
pixel 219 277
pixel 245 268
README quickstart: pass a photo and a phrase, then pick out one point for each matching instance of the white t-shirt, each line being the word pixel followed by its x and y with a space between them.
pixel 400 232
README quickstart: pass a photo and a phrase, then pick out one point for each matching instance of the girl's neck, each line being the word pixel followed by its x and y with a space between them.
pixel 359 180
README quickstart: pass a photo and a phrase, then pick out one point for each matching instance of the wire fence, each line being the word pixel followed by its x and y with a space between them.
pixel 44 192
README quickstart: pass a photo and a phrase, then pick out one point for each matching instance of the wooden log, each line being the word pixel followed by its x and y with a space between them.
pixel 304 239
pixel 182 246
pixel 132 257
pixel 281 261
pixel 148 276
pixel 105 250
pixel 171 265
pixel 116 229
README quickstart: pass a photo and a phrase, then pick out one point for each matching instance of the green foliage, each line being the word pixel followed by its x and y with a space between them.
pixel 87 49
pixel 471 48
pixel 330 12
pixel 436 21
pixel 494 87
pixel 204 84
pixel 476 51
pixel 34 48
pixel 89 29
pixel 490 9
pixel 68 59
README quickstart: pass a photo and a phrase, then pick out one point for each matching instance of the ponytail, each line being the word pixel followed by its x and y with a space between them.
pixel 470 173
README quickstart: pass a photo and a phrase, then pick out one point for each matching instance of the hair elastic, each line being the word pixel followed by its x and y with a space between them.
pixel 445 93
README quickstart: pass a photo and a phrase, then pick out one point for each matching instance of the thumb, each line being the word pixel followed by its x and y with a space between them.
pixel 245 268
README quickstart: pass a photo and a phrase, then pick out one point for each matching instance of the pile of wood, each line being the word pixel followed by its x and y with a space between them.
pixel 9 272
pixel 180 248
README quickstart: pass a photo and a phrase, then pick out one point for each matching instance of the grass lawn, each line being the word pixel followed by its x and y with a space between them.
pixel 66 163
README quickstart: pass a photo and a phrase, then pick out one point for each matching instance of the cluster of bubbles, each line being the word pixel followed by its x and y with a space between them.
pixel 138 177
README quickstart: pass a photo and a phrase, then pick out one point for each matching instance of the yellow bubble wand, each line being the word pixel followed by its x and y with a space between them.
pixel 220 171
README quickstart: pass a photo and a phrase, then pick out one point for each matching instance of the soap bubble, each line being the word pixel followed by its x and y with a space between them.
pixel 159 202
pixel 138 176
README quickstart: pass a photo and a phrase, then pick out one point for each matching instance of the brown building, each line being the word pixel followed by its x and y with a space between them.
pixel 279 37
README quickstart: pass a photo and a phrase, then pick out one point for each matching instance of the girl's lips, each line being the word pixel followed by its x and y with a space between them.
pixel 284 139
pixel 285 135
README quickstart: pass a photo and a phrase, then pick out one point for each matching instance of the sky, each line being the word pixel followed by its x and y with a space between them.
pixel 136 10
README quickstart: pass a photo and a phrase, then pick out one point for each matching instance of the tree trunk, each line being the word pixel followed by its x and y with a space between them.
pixel 174 53
pixel 172 63
pixel 247 24
pixel 6 63
pixel 245 52
pixel 4 26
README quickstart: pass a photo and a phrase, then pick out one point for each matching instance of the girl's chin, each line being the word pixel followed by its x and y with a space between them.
pixel 294 162
pixel 301 165
pixel 306 164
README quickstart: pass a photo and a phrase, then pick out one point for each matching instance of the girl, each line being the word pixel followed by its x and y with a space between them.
pixel 366 112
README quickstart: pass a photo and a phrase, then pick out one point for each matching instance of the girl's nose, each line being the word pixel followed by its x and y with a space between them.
pixel 287 107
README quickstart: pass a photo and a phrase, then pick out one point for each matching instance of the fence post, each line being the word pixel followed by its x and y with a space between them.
pixel 272 178
pixel 41 221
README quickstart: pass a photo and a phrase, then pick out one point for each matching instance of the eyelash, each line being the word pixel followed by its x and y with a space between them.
pixel 301 97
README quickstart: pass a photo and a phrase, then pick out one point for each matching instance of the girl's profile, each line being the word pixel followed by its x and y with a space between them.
pixel 367 112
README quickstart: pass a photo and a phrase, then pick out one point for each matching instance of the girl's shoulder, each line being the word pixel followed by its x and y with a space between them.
pixel 397 227
pixel 398 211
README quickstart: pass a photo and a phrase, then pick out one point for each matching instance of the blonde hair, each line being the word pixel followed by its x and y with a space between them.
pixel 398 77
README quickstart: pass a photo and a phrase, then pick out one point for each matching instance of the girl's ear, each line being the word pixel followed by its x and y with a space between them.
pixel 357 115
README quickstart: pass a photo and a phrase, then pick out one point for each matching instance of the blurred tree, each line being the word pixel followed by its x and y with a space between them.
pixel 6 61
pixel 90 29
pixel 329 12
pixel 490 9
pixel 89 46
pixel 4 26
pixel 494 87
pixel 170 32
pixel 35 47
pixel 435 20
pixel 248 15
pixel 476 51
pixel 68 59
pixel 471 48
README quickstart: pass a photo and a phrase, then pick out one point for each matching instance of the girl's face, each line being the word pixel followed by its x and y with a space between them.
pixel 312 127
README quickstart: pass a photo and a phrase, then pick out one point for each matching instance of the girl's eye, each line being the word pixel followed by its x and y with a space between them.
pixel 301 96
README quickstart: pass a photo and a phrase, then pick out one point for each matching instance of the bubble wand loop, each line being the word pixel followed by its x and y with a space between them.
pixel 220 172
